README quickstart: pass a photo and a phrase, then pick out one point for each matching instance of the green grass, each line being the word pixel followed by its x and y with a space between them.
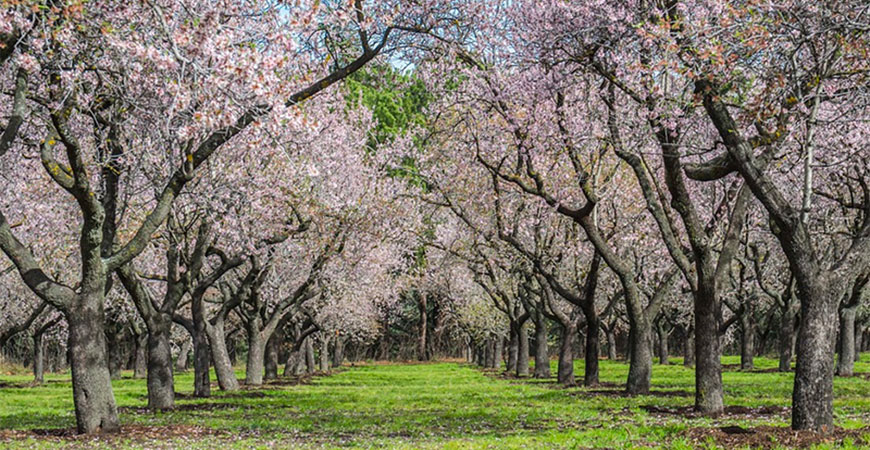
pixel 442 405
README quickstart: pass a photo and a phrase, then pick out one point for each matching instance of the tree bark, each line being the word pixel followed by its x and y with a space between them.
pixel 542 357
pixel 747 341
pixel 708 365
pixel 590 358
pixel 270 362
pixel 422 350
pixel 813 394
pixel 160 379
pixel 254 367
pixel 92 385
pixel 309 355
pixel 324 353
pixel 140 363
pixel 338 352
pixel 611 344
pixel 223 365
pixel 663 350
pixel 38 358
pixel 565 373
pixel 513 348
pixel 183 360
pixel 846 358
pixel 498 356
pixel 523 351
pixel 786 338
pixel 640 357
pixel 689 348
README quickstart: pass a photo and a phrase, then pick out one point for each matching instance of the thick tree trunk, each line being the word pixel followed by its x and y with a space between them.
pixel 846 358
pixel 38 359
pixel 523 352
pixel 565 373
pixel 254 368
pixel 183 361
pixel 590 358
pixel 747 341
pixel 859 341
pixel 488 356
pixel 708 366
pixel 92 385
pixel 324 353
pixel 223 365
pixel 813 394
pixel 513 348
pixel 640 358
pixel 542 357
pixel 786 339
pixel 161 385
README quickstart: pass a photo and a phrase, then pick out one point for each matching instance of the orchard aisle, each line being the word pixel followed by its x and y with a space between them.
pixel 438 405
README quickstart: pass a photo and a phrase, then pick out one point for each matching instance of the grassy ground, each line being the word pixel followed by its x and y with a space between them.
pixel 444 405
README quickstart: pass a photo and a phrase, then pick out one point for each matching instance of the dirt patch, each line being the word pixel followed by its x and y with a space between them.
pixel 128 432
pixel 730 411
pixel 767 437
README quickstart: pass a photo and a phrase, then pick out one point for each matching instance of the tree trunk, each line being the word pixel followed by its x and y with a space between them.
pixel 640 357
pixel 488 354
pixel 611 344
pixel 160 381
pixel 338 352
pixel 201 352
pixel 786 338
pixel 422 353
pixel 813 394
pixel 324 353
pixel 565 374
pixel 542 357
pixel 291 366
pixel 223 365
pixel 846 358
pixel 513 348
pixel 38 358
pixel 663 350
pixel 859 341
pixel 747 341
pixel 590 371
pixel 181 364
pixel 140 362
pixel 271 356
pixel 499 352
pixel 92 385
pixel 689 348
pixel 254 368
pixel 309 355
pixel 115 355
pixel 201 381
pixel 708 365
pixel 523 352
